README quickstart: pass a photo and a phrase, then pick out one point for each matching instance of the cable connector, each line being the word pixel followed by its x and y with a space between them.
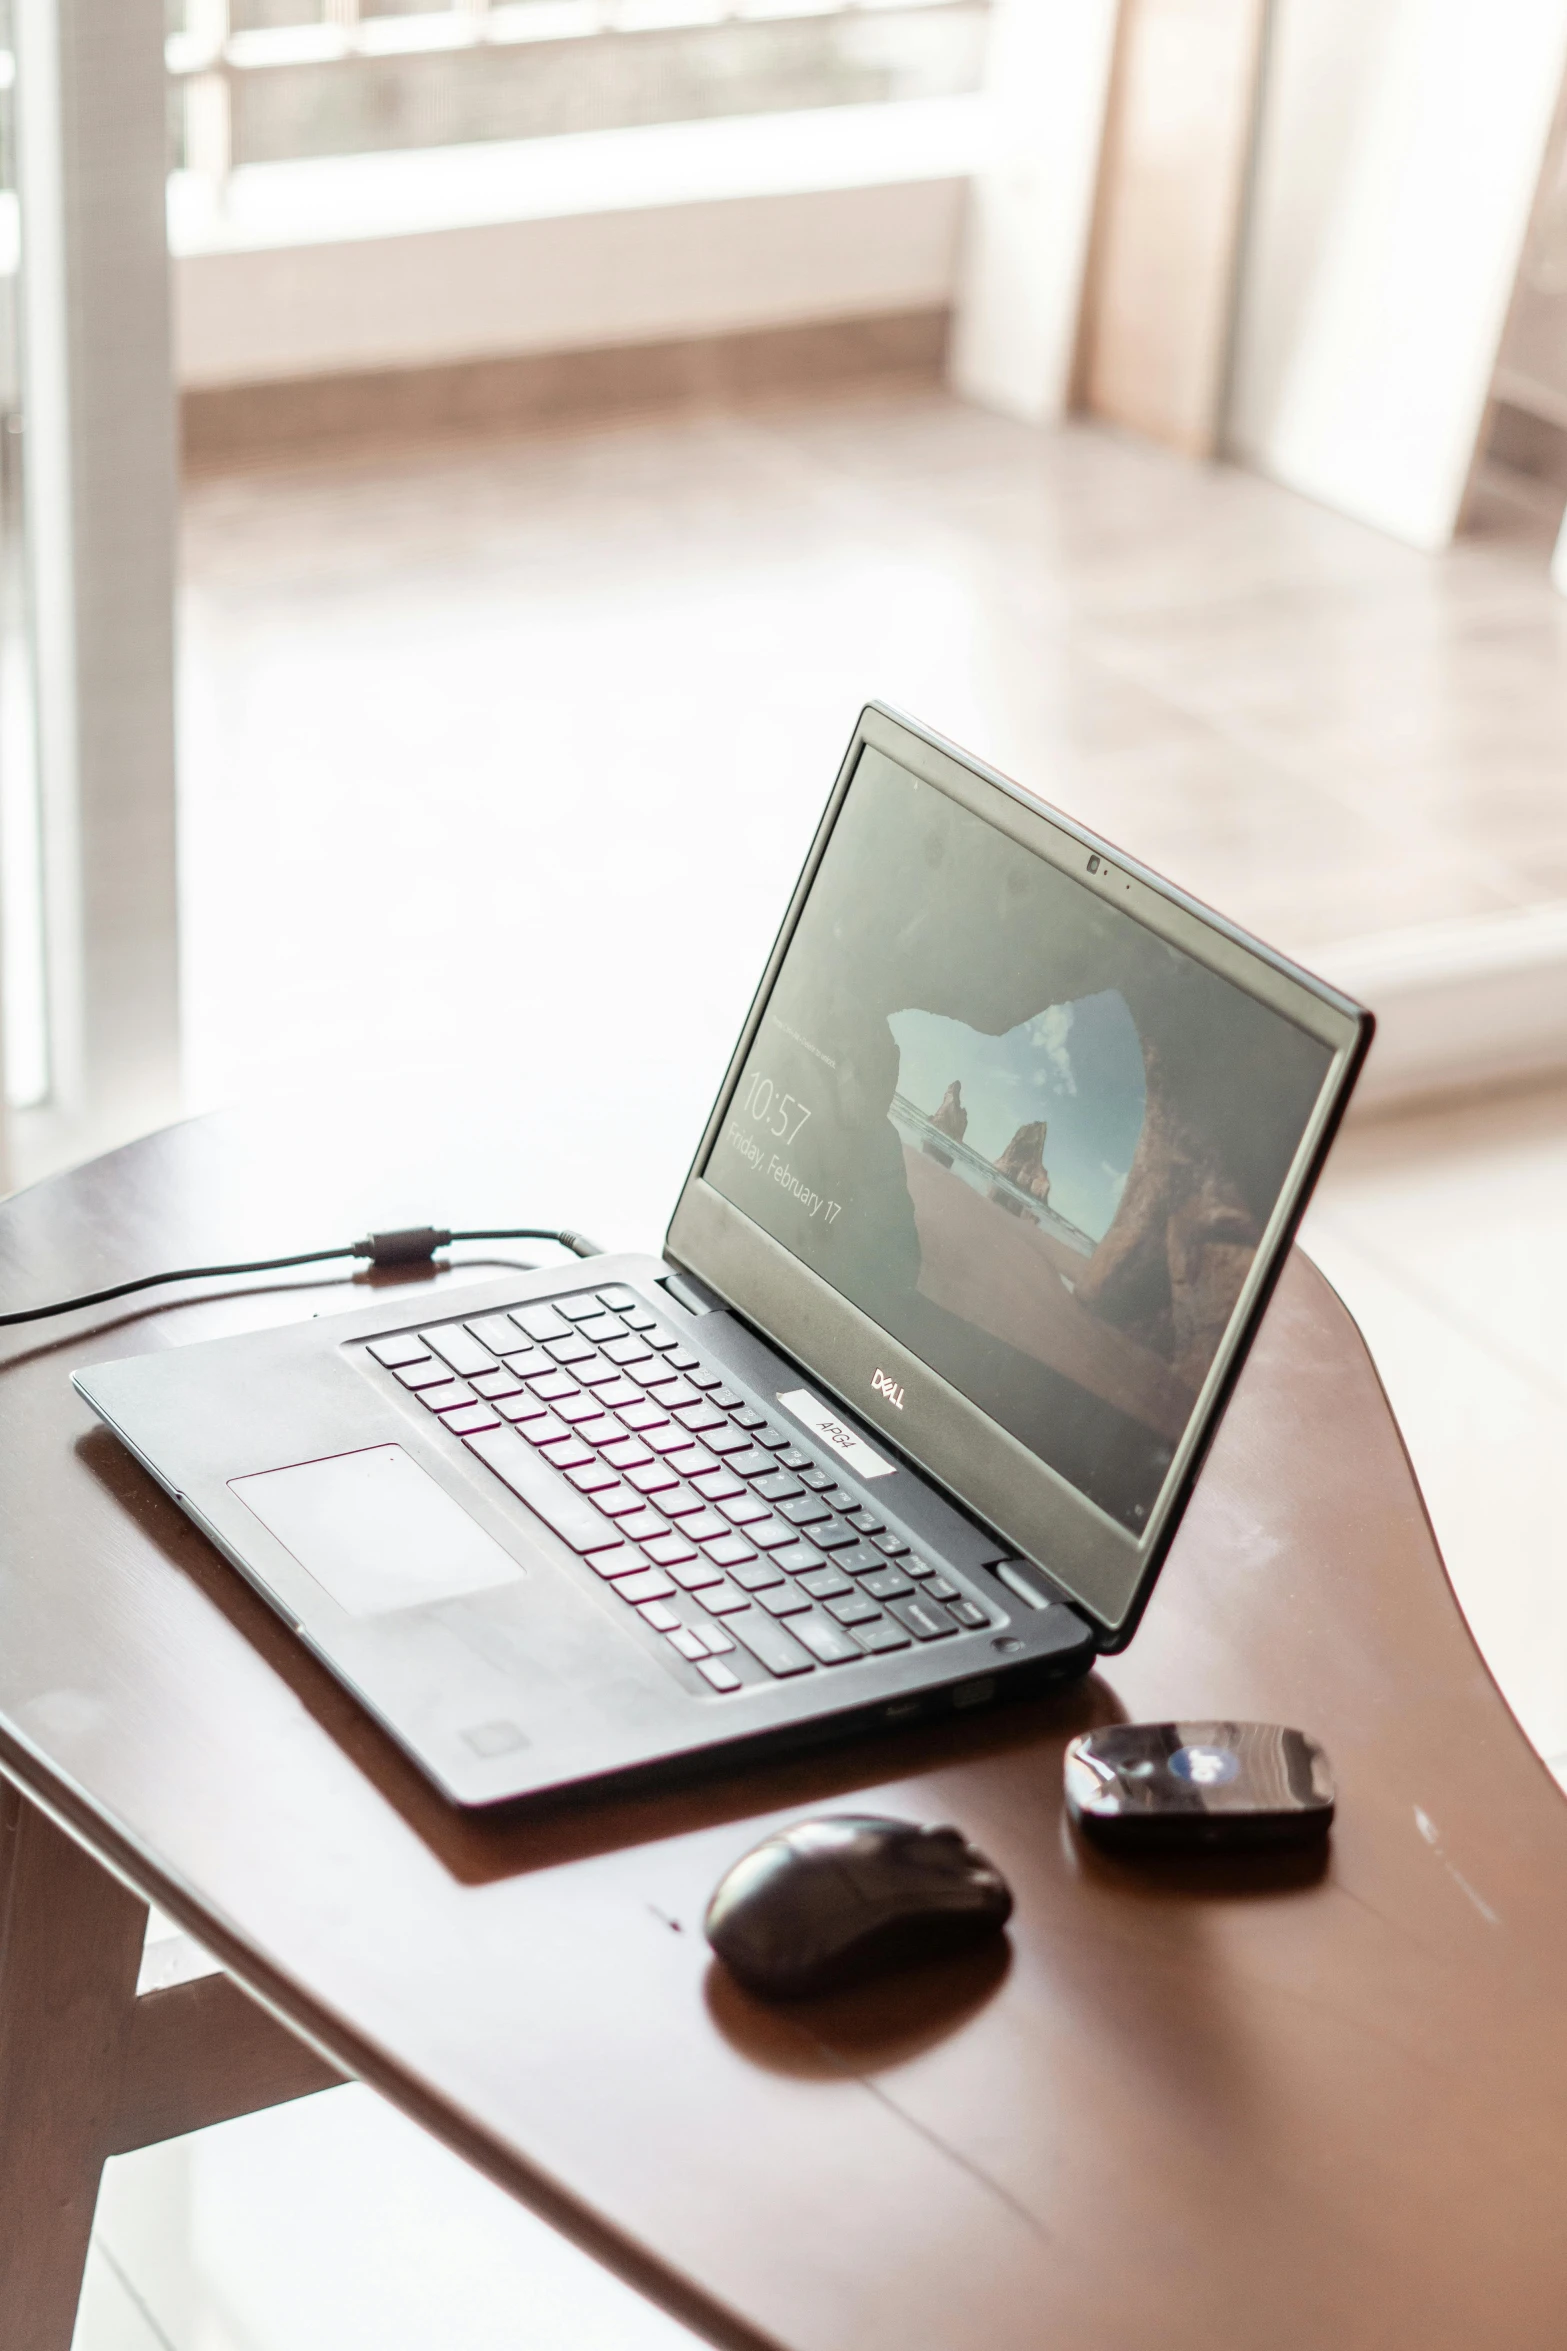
pixel 414 1245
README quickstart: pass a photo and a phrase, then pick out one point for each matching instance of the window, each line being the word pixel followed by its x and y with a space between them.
pixel 271 81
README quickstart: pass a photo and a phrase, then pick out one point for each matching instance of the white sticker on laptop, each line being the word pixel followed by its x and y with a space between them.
pixel 844 1442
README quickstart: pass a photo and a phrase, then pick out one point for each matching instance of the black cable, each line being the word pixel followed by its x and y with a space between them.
pixel 416 1245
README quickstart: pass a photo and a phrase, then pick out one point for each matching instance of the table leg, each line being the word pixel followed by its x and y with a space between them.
pixel 70 1947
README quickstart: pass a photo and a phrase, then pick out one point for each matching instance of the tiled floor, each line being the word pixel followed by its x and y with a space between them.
pixel 471 735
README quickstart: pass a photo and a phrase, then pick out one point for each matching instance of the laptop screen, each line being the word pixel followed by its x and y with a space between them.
pixel 1033 1141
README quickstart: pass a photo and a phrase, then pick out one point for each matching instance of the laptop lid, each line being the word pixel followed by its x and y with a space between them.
pixel 1010 1152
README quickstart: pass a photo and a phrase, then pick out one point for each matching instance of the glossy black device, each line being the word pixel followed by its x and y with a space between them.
pixel 830 1902
pixel 1171 1786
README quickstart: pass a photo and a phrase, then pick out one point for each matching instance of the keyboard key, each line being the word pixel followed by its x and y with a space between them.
pixel 471 1417
pixel 602 1329
pixel 604 1429
pixel 799 1558
pixel 755 1575
pixel 721 1676
pixel 644 1526
pixel 579 1407
pixel 752 1462
pixel 655 1334
pixel 571 1516
pixel 925 1619
pixel 913 1565
pixel 659 1615
pixel 840 1498
pixel 638 1317
pixel 529 1362
pixel 644 1588
pixel 835 1537
pixel 710 1382
pixel 424 1372
pixel 501 1382
pixel 749 1418
pixel 881 1635
pixel 669 1439
pixel 594 1477
pixel 522 1406
pixel 459 1348
pixel 618 1394
pixel 578 1306
pixel 968 1613
pixel 570 1349
pixel 723 1600
pixel 690 1644
pixel 724 1398
pixel 727 1441
pixel 770 1644
pixel 673 1391
pixel 856 1609
pixel 795 1459
pixel 551 1384
pixel 862 1560
pixel 619 1297
pixel 782 1599
pixel 539 1322
pixel 828 1643
pixel 706 1525
pixel 499 1333
pixel 655 1478
pixel 619 1560
pixel 693 1461
pixel 774 1439
pixel 816 1479
pixel 744 1510
pixel 825 1583
pixel 718 1641
pixel 730 1550
pixel 542 1428
pixel 624 1349
pixel 597 1374
pixel 804 1511
pixel 622 1501
pixel 772 1536
pixel 699 1418
pixel 693 1574
pixel 407 1347
pixel 888 1583
pixel 867 1522
pixel 642 1415
pixel 567 1451
pixel 939 1587
pixel 683 1358
pixel 447 1396
pixel 717 1483
pixel 893 1545
pixel 680 1502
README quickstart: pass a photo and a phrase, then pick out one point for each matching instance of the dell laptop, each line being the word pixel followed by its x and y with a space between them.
pixel 1005 1162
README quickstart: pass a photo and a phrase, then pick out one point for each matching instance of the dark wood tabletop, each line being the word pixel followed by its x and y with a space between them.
pixel 1307 2103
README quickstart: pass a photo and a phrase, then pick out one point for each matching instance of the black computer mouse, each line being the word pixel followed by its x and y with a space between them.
pixel 830 1902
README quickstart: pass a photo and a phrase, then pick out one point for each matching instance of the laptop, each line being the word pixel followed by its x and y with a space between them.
pixel 904 1419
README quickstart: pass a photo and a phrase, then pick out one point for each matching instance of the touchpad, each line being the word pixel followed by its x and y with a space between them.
pixel 375 1530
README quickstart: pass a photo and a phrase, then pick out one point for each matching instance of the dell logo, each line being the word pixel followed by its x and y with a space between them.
pixel 888 1388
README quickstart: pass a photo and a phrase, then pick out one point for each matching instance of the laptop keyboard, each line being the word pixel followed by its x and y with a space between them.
pixel 702 1512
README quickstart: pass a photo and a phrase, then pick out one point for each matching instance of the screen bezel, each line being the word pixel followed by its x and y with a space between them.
pixel 1098 1564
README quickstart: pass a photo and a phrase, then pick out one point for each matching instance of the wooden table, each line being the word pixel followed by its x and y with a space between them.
pixel 1286 2105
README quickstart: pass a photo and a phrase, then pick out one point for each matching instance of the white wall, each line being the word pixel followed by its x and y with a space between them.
pixel 1400 148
